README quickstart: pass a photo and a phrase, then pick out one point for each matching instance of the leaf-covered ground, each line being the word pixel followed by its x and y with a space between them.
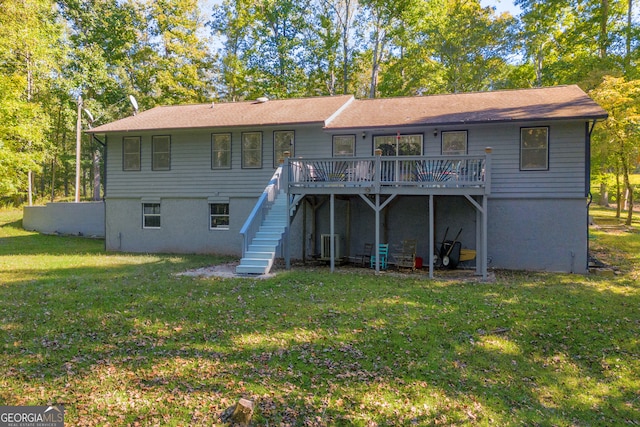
pixel 120 339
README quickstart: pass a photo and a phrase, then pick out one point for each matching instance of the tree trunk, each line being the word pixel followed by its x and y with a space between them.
pixel 96 174
pixel 627 58
pixel 604 195
pixel 629 191
pixel 618 193
pixel 53 179
pixel 604 35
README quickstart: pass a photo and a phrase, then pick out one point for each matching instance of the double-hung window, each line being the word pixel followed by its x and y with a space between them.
pixel 534 148
pixel 219 214
pixel 344 145
pixel 252 150
pixel 161 153
pixel 131 153
pixel 151 215
pixel 454 143
pixel 221 151
pixel 282 141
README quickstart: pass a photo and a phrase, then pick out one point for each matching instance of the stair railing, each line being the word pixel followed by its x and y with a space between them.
pixel 259 212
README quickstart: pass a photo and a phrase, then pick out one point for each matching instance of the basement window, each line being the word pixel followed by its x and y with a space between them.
pixel 151 215
pixel 219 214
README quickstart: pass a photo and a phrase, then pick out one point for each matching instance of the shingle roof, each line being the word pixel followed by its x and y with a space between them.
pixel 343 112
pixel 554 103
pixel 249 113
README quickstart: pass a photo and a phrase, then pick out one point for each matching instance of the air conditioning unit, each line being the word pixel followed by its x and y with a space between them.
pixel 325 246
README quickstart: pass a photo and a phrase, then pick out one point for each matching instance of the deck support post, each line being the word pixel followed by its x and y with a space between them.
pixel 377 208
pixel 484 259
pixel 332 236
pixel 479 234
pixel 431 236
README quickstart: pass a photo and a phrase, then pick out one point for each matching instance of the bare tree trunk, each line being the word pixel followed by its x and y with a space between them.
pixel 627 58
pixel 604 36
pixel 53 179
pixel 374 68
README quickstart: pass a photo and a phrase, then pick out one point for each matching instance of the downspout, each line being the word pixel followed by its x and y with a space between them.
pixel 104 194
pixel 104 174
pixel 587 175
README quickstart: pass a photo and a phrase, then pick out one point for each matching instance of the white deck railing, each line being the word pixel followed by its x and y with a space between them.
pixel 380 171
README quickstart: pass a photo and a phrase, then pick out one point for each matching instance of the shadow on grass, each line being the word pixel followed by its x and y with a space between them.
pixel 318 348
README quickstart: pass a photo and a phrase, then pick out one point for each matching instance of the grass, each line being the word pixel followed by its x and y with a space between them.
pixel 119 339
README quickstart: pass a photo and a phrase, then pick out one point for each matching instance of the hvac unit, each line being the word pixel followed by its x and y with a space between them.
pixel 325 246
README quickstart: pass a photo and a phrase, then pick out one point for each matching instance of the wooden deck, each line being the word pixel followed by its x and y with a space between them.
pixel 410 175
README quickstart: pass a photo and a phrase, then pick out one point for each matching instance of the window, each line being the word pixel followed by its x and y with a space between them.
pixel 219 216
pixel 161 153
pixel 221 151
pixel 131 153
pixel 252 150
pixel 151 215
pixel 344 145
pixel 454 143
pixel 282 141
pixel 399 145
pixel 534 148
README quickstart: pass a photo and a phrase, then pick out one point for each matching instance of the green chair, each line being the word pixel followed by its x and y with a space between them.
pixel 384 254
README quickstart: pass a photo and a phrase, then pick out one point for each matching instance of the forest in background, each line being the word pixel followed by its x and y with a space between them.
pixel 179 51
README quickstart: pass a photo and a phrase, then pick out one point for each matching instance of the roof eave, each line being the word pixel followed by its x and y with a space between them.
pixel 466 122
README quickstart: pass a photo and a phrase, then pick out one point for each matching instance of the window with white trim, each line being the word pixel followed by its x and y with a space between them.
pixel 151 215
pixel 221 151
pixel 283 140
pixel 534 148
pixel 219 216
pixel 344 145
pixel 252 150
pixel 131 153
pixel 161 153
pixel 454 143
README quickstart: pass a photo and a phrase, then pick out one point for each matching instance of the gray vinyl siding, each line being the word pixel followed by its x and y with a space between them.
pixel 566 174
pixel 191 174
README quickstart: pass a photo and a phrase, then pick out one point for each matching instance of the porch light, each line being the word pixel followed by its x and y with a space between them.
pixel 364 135
pixel 435 133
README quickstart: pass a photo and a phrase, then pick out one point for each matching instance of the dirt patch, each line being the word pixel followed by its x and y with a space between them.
pixel 227 271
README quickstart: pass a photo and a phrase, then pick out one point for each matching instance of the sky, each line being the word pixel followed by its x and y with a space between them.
pixel 502 6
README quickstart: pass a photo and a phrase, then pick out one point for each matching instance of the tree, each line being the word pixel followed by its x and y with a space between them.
pixel 620 133
pixel 28 58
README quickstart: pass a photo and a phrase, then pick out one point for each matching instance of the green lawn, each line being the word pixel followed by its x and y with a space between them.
pixel 120 340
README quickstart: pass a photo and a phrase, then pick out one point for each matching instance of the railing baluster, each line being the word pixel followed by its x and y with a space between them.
pixel 436 171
